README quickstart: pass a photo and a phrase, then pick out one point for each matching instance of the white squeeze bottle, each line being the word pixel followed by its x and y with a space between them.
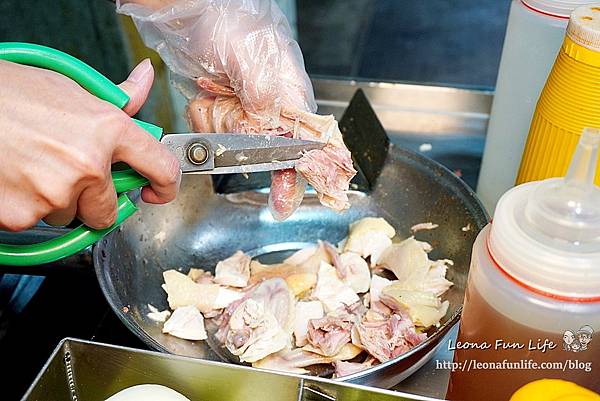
pixel 535 31
pixel 533 292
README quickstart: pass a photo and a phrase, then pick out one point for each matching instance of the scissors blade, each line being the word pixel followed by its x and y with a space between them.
pixel 201 153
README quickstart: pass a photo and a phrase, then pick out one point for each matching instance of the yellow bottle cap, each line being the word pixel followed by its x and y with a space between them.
pixel 584 26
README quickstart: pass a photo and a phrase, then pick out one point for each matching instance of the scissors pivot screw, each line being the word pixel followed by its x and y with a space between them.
pixel 197 153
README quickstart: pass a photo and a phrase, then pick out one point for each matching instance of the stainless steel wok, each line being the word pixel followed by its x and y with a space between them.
pixel 202 227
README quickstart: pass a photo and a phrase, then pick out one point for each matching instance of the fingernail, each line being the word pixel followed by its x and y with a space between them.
pixel 140 71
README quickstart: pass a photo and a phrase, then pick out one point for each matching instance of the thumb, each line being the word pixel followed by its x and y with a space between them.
pixel 137 86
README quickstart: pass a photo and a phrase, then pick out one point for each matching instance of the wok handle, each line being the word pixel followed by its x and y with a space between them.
pixel 125 180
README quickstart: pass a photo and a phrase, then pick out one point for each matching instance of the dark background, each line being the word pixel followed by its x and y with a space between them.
pixel 453 42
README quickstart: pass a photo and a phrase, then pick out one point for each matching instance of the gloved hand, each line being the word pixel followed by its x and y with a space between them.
pixel 247 75
pixel 58 143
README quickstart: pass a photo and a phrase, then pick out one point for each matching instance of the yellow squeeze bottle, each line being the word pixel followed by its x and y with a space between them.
pixel 569 101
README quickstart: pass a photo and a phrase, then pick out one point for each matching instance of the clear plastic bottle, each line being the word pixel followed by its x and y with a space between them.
pixel 534 33
pixel 533 292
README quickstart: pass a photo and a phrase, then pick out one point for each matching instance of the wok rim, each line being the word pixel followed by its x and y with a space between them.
pixel 476 208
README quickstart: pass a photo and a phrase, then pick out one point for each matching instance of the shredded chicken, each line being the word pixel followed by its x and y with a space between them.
pixel 275 295
pixel 307 310
pixel 329 334
pixel 377 284
pixel 254 332
pixel 423 226
pixel 424 308
pixel 386 339
pixel 328 170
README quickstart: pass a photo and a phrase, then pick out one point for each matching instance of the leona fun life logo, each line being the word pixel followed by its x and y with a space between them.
pixel 578 341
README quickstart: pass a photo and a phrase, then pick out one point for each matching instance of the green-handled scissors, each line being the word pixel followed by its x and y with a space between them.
pixel 198 153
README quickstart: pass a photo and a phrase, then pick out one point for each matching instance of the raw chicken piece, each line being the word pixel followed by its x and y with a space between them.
pixel 299 270
pixel 201 276
pixel 328 170
pixel 234 271
pixel 225 297
pixel 187 323
pixel 254 332
pixel 424 308
pixel 335 259
pixel 301 256
pixel 358 275
pixel 369 237
pixel 423 226
pixel 298 278
pixel 183 291
pixel 305 311
pixel 276 297
pixel 329 334
pixel 156 315
pixel 307 260
pixel 435 279
pixel 405 258
pixel 343 368
pixel 331 291
pixel 410 263
pixel 287 192
pixel 301 283
pixel 294 360
pixel 313 263
pixel 377 284
pixel 386 339
pixel 222 321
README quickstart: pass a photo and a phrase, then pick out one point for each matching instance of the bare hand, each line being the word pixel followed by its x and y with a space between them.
pixel 58 143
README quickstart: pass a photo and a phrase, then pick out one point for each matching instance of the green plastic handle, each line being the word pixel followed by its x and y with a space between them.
pixel 125 180
pixel 66 245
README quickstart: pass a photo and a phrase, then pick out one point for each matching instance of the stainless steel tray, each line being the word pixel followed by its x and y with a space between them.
pixel 87 371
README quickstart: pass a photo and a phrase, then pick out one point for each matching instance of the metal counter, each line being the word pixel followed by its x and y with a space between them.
pixel 87 371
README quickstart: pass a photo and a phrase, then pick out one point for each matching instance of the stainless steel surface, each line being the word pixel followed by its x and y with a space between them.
pixel 235 153
pixel 445 124
pixel 431 379
pixel 202 227
pixel 412 109
pixel 88 371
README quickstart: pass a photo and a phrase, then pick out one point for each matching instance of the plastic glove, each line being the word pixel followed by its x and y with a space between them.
pixel 237 62
pixel 246 45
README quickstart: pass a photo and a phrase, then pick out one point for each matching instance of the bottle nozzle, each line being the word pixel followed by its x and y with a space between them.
pixel 582 169
pixel 568 209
